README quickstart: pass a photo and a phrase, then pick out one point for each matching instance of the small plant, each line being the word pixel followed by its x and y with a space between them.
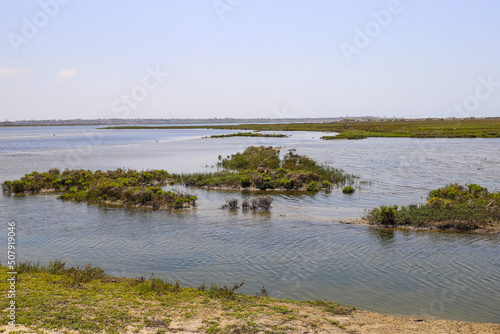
pixel 223 292
pixel 348 190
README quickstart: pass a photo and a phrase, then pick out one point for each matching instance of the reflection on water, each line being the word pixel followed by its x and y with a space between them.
pixel 296 250
pixel 385 236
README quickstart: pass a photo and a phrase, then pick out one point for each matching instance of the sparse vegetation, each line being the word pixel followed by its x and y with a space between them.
pixel 255 203
pixel 231 204
pixel 261 168
pixel 260 202
pixel 454 207
pixel 120 186
pixel 48 299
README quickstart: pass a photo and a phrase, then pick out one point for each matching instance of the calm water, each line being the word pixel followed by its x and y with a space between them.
pixel 296 251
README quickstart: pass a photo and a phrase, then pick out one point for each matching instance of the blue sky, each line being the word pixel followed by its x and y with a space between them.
pixel 238 58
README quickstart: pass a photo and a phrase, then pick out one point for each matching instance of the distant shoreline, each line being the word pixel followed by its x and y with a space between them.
pixel 362 128
pixel 211 121
pixel 165 121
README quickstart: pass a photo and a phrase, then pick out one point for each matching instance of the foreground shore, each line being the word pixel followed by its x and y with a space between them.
pixel 362 322
pixel 55 299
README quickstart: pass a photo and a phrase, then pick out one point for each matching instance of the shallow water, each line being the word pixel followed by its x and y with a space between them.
pixel 297 250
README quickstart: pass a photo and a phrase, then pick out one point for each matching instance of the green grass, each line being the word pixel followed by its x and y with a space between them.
pixel 261 168
pixel 429 128
pixel 455 207
pixel 248 134
pixel 48 298
pixel 120 186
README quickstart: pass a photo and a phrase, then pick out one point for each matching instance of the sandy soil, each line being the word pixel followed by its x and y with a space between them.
pixel 362 322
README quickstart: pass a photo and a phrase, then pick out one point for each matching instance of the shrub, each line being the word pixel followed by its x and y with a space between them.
pixel 246 182
pixel 253 157
pixel 326 184
pixel 312 186
pixel 54 171
pixel 348 190
pixel 287 183
pixel 18 186
pixel 230 204
pixel 385 215
pixel 261 202
pixel 267 183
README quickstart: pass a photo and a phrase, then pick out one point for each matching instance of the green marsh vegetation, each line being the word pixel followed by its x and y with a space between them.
pixel 428 128
pixel 455 207
pixel 249 134
pixel 349 135
pixel 261 168
pixel 120 186
pixel 86 300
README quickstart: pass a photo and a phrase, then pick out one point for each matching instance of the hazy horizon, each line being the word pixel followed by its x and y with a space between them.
pixel 240 59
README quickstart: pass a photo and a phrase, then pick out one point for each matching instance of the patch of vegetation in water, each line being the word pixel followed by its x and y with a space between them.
pixel 261 168
pixel 120 186
pixel 348 190
pixel 346 135
pixel 86 300
pixel 249 134
pixel 455 207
